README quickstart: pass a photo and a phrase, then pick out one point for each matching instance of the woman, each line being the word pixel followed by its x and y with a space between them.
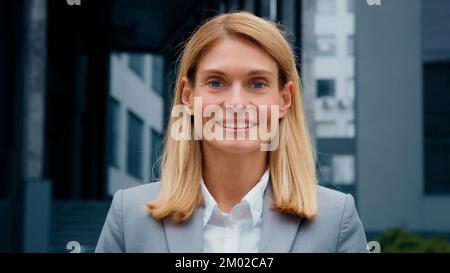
pixel 231 194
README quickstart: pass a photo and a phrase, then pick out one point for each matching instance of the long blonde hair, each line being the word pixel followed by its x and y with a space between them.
pixel 291 166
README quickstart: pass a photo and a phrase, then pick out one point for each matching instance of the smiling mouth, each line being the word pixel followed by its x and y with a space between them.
pixel 236 125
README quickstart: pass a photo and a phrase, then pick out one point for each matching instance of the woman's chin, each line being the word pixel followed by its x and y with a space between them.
pixel 237 146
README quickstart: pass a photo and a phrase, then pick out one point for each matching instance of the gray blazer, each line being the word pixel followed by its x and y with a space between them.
pixel 129 228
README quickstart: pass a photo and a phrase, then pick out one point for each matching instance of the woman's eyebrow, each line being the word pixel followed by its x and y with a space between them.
pixel 213 71
pixel 260 72
pixel 250 73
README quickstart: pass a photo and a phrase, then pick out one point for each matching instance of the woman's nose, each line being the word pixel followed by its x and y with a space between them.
pixel 236 96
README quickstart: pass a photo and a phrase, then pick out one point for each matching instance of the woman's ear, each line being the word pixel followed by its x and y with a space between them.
pixel 187 94
pixel 286 98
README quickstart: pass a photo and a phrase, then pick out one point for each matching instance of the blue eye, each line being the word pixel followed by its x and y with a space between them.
pixel 259 85
pixel 215 84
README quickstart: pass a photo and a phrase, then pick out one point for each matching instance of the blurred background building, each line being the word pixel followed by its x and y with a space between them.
pixel 86 86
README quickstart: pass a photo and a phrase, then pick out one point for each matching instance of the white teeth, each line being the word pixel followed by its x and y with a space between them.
pixel 239 125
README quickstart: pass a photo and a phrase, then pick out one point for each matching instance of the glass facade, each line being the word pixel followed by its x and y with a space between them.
pixel 436 95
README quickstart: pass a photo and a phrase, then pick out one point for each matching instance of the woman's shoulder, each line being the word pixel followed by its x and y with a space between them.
pixel 133 202
pixel 331 197
pixel 145 192
pixel 338 209
pixel 327 199
pixel 333 203
pixel 325 195
pixel 330 203
pixel 128 224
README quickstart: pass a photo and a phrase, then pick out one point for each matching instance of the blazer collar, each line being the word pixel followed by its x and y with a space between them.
pixel 277 234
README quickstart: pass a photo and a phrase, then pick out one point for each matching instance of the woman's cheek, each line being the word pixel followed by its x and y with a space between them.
pixel 266 112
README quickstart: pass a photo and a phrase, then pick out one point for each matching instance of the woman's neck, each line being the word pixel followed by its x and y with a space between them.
pixel 229 177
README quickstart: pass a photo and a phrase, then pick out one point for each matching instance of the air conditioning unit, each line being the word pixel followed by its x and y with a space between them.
pixel 328 102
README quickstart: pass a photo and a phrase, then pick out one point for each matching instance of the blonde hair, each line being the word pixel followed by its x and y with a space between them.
pixel 291 166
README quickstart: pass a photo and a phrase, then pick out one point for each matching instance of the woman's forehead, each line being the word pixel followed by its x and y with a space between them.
pixel 234 55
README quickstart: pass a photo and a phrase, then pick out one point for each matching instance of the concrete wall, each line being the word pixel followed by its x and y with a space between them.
pixel 389 120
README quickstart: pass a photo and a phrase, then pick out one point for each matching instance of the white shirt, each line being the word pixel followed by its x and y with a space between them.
pixel 238 231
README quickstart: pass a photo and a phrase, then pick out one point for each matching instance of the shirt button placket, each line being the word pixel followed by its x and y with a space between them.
pixel 230 236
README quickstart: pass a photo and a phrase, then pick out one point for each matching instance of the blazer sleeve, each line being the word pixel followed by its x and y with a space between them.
pixel 351 234
pixel 111 238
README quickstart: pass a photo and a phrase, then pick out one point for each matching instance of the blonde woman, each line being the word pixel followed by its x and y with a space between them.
pixel 230 194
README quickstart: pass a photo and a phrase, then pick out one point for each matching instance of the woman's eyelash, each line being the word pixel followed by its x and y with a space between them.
pixel 218 83
pixel 214 81
pixel 260 83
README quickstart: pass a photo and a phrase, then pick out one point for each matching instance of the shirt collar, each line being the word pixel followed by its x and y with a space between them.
pixel 254 199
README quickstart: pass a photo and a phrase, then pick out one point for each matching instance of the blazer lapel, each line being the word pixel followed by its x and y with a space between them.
pixel 186 236
pixel 278 229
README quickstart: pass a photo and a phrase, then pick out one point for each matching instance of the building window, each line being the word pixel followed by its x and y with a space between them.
pixel 325 45
pixel 436 95
pixel 350 45
pixel 351 88
pixel 336 169
pixel 155 154
pixel 336 166
pixel 325 7
pixel 324 169
pixel 113 132
pixel 136 63
pixel 158 74
pixel 325 88
pixel 437 127
pixel 135 145
pixel 343 171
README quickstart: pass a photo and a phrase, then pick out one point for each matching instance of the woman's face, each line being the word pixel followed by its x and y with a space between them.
pixel 232 75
